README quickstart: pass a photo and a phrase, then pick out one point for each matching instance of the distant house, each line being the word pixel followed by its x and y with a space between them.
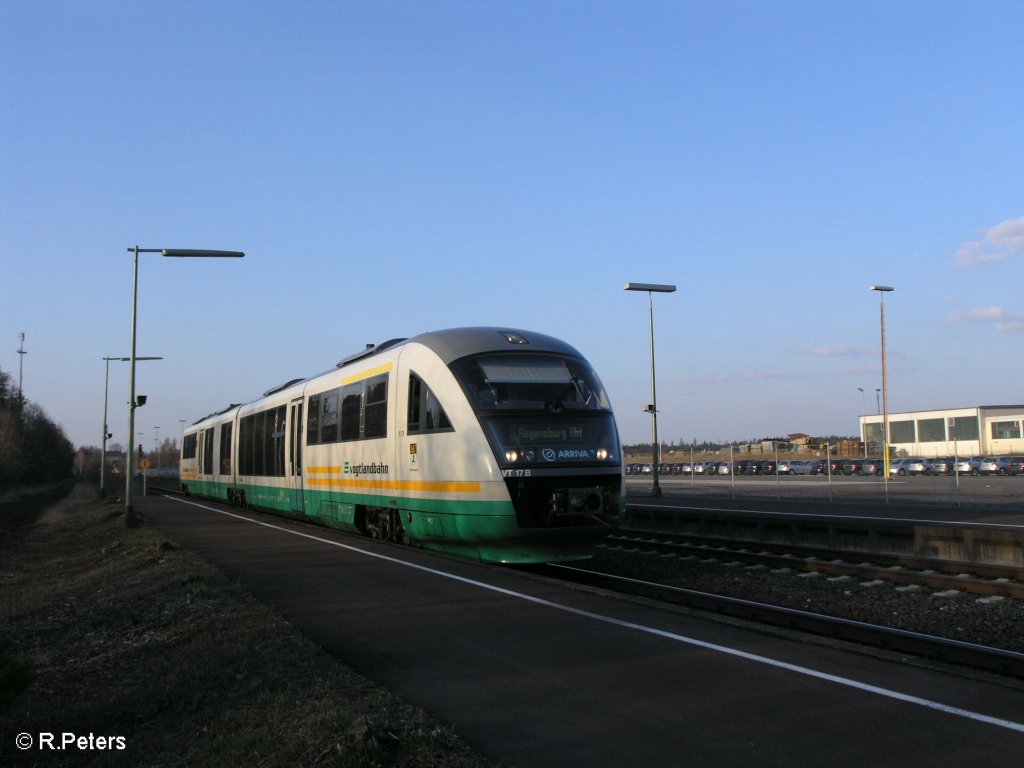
pixel 972 431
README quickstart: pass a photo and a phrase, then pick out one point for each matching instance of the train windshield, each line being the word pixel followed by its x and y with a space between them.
pixel 545 383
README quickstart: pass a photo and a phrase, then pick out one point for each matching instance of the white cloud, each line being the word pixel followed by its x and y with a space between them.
pixel 973 255
pixel 1009 235
pixel 1002 321
pixel 843 351
pixel 1006 237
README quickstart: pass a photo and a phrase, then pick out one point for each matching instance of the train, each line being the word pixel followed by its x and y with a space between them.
pixel 493 444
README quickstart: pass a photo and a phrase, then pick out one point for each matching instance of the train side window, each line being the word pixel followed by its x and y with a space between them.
pixel 425 411
pixel 225 449
pixel 313 421
pixel 351 409
pixel 375 407
pixel 208 451
pixel 188 447
pixel 329 417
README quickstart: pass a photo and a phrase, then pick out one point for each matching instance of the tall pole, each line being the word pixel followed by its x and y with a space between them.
pixel 106 431
pixel 655 448
pixel 21 369
pixel 882 290
pixel 106 426
pixel 651 288
pixel 864 410
pixel 129 520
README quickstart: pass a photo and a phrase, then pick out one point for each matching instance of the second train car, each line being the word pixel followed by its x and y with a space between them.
pixel 486 443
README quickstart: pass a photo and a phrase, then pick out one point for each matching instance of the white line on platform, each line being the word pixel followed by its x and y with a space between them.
pixel 844 681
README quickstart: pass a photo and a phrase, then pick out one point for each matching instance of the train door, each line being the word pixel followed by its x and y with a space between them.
pixel 295 455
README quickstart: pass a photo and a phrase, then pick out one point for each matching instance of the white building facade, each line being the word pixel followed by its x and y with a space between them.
pixel 983 430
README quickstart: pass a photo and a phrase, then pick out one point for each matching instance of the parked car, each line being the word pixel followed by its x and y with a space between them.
pixel 962 465
pixel 873 467
pixel 983 466
pixel 903 467
pixel 836 466
pixel 800 467
pixel 940 466
pixel 1010 465
pixel 818 466
pixel 784 467
pixel 852 466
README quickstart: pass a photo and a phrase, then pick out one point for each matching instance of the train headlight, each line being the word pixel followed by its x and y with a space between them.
pixel 512 456
pixel 602 454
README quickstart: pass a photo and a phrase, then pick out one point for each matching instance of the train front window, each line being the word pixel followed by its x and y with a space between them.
pixel 537 382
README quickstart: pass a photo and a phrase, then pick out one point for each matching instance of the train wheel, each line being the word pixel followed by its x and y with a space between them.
pixel 383 525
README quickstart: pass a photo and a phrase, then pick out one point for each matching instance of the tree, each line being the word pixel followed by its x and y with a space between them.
pixel 32 448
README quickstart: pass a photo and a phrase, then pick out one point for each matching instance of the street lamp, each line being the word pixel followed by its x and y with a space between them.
pixel 863 409
pixel 653 407
pixel 882 290
pixel 21 369
pixel 156 453
pixel 106 428
pixel 128 521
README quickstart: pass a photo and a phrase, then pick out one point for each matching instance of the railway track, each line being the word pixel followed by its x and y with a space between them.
pixel 920 645
pixel 974 578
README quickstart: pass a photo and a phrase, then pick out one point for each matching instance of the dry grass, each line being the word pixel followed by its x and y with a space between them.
pixel 126 635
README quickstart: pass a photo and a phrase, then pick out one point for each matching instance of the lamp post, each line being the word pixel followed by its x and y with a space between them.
pixel 653 407
pixel 882 290
pixel 863 408
pixel 128 521
pixel 878 407
pixel 106 428
pixel 156 444
pixel 21 369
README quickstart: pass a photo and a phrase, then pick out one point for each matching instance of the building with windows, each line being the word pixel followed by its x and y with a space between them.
pixel 983 430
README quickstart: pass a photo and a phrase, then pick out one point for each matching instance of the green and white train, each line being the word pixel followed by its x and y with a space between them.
pixel 494 444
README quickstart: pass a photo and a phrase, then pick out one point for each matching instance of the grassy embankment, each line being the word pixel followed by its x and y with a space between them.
pixel 115 632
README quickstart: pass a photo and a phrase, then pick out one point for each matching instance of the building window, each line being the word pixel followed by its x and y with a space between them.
pixel 1005 430
pixel 931 430
pixel 902 432
pixel 964 428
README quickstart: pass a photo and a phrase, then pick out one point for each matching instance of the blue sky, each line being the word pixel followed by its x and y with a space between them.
pixel 396 167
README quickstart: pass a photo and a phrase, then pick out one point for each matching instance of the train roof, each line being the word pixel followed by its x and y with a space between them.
pixel 449 345
pixel 455 343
